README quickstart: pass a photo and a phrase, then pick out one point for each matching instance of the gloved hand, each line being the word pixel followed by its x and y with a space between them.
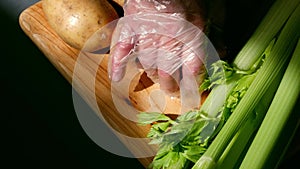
pixel 166 39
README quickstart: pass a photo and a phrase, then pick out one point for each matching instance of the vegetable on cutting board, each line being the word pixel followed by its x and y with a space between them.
pixel 119 2
pixel 246 96
pixel 76 20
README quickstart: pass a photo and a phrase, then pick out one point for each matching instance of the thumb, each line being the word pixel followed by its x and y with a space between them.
pixel 119 59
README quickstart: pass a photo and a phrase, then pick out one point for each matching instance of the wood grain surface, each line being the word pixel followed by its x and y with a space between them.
pixel 88 75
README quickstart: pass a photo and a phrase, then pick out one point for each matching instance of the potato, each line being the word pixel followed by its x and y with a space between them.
pixel 76 20
pixel 120 2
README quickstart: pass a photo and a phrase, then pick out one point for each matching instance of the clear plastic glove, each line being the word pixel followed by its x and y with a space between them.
pixel 165 37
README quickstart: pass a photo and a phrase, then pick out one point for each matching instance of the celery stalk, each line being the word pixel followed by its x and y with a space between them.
pixel 233 155
pixel 207 137
pixel 265 32
pixel 288 135
pixel 235 150
pixel 273 65
pixel 277 116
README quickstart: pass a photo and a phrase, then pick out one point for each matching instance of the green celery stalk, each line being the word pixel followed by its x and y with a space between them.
pixel 288 134
pixel 273 65
pixel 188 137
pixel 277 116
pixel 265 32
pixel 232 157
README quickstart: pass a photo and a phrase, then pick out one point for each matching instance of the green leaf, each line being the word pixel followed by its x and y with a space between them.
pixel 156 132
pixel 162 126
pixel 239 90
pixel 193 153
pixel 218 73
pixel 196 129
pixel 191 115
pixel 145 118
pixel 168 160
pixel 177 133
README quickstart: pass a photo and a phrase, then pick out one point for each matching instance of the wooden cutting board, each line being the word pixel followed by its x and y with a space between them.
pixel 92 82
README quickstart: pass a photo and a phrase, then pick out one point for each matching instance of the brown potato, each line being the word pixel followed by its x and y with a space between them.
pixel 76 20
pixel 120 2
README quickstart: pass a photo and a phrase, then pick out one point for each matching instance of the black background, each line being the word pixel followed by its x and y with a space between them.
pixel 40 127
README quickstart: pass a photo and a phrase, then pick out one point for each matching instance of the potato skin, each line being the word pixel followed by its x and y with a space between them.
pixel 76 20
pixel 120 2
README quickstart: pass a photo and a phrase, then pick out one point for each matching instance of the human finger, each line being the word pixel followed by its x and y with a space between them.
pixel 169 83
pixel 169 64
pixel 118 56
pixel 123 40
